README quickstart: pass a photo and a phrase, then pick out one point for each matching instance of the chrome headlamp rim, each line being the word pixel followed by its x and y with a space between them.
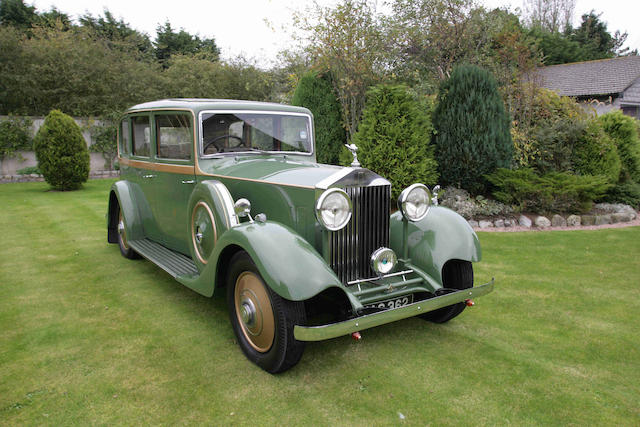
pixel 403 199
pixel 387 257
pixel 321 200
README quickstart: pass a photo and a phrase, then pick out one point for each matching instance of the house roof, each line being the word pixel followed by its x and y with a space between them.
pixel 601 77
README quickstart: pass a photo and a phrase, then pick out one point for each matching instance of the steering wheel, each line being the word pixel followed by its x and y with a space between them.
pixel 218 138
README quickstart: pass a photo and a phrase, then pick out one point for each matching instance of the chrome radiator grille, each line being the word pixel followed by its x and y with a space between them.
pixel 367 231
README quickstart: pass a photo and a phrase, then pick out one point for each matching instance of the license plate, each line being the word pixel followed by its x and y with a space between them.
pixel 391 303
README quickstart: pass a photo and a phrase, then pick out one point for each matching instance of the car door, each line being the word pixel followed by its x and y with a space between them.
pixel 175 176
pixel 142 172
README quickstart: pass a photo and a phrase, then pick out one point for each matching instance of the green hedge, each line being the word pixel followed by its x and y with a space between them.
pixel 624 132
pixel 553 192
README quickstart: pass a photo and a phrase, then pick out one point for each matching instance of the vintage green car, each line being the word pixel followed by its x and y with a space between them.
pixel 228 194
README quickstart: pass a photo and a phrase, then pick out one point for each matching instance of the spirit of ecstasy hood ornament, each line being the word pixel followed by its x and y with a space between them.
pixel 353 149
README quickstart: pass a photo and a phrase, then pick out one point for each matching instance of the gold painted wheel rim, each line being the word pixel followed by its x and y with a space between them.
pixel 254 312
pixel 121 231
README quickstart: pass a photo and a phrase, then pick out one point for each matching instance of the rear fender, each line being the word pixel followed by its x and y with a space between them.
pixel 441 236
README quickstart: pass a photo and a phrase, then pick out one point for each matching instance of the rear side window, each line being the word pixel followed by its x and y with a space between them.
pixel 125 137
pixel 141 136
pixel 175 136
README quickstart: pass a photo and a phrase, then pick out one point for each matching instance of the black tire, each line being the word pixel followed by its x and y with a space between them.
pixel 456 274
pixel 253 306
pixel 125 249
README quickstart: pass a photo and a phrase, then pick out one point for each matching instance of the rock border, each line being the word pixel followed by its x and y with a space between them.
pixel 604 215
pixel 11 179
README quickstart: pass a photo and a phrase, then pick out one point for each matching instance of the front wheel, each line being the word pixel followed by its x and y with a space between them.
pixel 262 320
pixel 456 275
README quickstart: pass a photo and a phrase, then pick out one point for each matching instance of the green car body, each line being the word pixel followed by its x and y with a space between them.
pixel 188 168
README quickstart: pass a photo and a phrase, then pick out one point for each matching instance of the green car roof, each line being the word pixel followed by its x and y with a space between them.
pixel 197 105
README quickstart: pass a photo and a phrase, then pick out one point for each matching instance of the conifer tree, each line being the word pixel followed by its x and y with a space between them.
pixel 472 136
pixel 316 93
pixel 393 138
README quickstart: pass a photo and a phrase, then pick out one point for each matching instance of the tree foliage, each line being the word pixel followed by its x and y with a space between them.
pixel 394 138
pixel 472 135
pixel 61 151
pixel 170 42
pixel 15 135
pixel 347 42
pixel 316 93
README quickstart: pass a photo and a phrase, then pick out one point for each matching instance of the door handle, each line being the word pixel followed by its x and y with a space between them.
pixel 189 181
pixel 148 176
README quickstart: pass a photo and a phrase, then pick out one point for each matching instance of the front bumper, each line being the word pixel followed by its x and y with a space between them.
pixel 324 332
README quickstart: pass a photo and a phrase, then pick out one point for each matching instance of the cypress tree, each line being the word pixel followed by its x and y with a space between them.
pixel 316 93
pixel 63 157
pixel 393 138
pixel 472 135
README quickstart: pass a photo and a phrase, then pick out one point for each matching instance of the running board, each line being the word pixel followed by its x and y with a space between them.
pixel 174 263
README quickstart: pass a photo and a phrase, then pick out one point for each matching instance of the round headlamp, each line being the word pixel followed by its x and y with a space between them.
pixel 414 202
pixel 383 260
pixel 333 209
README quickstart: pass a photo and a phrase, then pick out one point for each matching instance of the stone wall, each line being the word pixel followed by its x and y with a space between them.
pixel 25 159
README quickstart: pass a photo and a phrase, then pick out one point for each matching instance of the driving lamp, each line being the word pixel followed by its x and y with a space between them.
pixel 333 209
pixel 414 202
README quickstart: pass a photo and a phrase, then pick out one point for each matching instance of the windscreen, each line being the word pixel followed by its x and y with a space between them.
pixel 258 132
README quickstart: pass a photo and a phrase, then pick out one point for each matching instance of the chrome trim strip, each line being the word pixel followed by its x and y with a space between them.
pixel 319 333
pixel 399 273
pixel 334 177
pixel 227 201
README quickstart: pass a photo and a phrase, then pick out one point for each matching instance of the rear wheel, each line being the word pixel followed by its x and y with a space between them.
pixel 456 275
pixel 262 320
pixel 125 250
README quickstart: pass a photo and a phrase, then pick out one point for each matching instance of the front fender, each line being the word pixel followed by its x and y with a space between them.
pixel 287 262
pixel 442 235
pixel 122 194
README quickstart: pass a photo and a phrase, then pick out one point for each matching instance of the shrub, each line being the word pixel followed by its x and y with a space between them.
pixel 393 138
pixel 472 207
pixel 472 135
pixel 62 152
pixel 14 135
pixel 596 154
pixel 105 138
pixel 552 192
pixel 555 144
pixel 29 170
pixel 624 132
pixel 625 192
pixel 316 93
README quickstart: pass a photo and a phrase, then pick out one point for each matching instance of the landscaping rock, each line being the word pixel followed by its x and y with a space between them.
pixel 621 217
pixel 588 219
pixel 573 220
pixel 486 224
pixel 603 219
pixel 524 221
pixel 542 222
pixel 473 223
pixel 510 222
pixel 558 221
pixel 499 223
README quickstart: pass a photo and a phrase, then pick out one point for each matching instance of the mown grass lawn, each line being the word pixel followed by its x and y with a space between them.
pixel 88 337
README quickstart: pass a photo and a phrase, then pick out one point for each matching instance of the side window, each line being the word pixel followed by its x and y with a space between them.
pixel 175 136
pixel 125 137
pixel 141 136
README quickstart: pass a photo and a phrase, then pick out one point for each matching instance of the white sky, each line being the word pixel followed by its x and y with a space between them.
pixel 260 28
